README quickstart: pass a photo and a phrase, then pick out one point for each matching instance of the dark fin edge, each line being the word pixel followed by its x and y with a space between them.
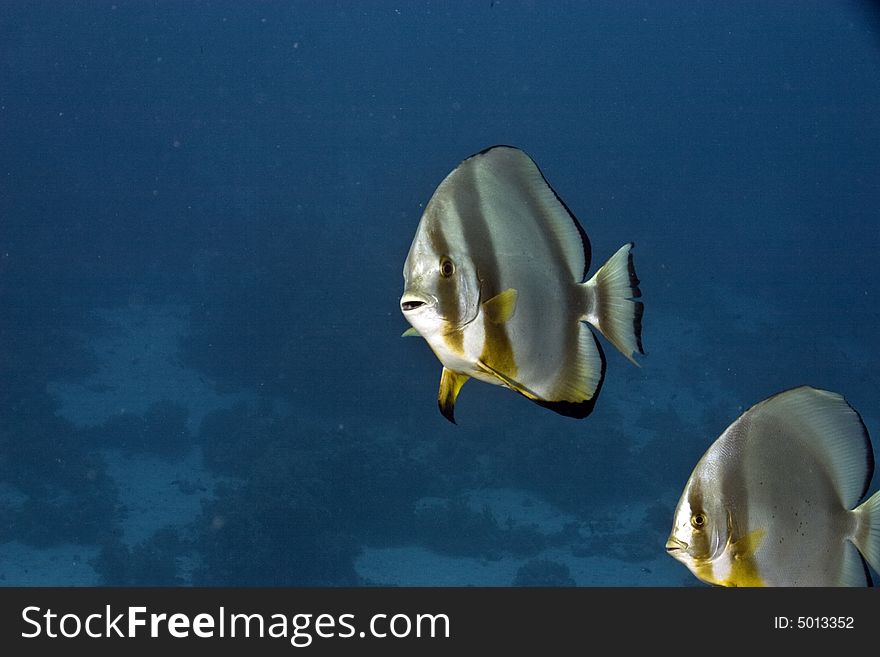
pixel 637 324
pixel 868 579
pixel 869 456
pixel 450 385
pixel 578 410
pixel 448 411
pixel 634 283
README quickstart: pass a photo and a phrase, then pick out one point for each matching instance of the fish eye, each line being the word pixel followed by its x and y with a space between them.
pixel 698 520
pixel 447 268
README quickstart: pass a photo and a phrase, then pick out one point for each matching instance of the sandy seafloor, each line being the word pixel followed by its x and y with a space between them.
pixel 139 365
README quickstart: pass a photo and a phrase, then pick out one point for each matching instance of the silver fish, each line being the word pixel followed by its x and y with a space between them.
pixel 494 282
pixel 773 501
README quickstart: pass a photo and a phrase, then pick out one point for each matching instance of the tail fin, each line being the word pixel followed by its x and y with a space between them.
pixel 613 309
pixel 867 537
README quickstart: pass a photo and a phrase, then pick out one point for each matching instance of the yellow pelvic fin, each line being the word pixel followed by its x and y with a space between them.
pixel 450 383
pixel 507 381
pixel 411 333
pixel 501 307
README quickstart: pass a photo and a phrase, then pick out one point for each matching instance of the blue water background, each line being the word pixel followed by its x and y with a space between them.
pixel 264 167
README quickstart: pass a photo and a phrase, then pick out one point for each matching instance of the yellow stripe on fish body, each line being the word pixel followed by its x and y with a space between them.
pixel 454 341
pixel 497 350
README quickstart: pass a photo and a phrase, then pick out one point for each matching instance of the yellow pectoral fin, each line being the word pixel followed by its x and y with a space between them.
pixel 411 333
pixel 507 381
pixel 744 569
pixel 501 307
pixel 450 383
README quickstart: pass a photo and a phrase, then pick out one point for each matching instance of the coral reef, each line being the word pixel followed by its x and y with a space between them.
pixel 299 498
pixel 452 527
pixel 232 439
pixel 543 572
pixel 275 531
pixel 558 465
pixel 150 563
pixel 67 495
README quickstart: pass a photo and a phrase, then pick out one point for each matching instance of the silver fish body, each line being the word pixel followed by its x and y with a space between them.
pixel 775 500
pixel 494 282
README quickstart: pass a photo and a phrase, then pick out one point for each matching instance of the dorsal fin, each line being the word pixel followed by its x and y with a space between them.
pixel 503 171
pixel 833 432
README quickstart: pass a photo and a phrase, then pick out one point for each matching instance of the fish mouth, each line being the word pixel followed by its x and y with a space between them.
pixel 411 305
pixel 674 545
pixel 410 302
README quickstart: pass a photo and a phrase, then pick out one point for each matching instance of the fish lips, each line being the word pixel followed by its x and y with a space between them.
pixel 410 302
pixel 674 546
